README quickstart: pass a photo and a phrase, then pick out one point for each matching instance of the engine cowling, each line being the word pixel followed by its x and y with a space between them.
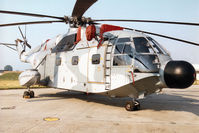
pixel 29 77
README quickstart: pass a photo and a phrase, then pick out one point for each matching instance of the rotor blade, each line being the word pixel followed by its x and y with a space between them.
pixel 164 36
pixel 148 21
pixel 8 45
pixel 33 22
pixel 30 14
pixel 81 6
pixel 25 31
pixel 11 48
pixel 25 41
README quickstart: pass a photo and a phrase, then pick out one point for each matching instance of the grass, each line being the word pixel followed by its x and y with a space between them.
pixel 11 76
pixel 196 82
pixel 9 80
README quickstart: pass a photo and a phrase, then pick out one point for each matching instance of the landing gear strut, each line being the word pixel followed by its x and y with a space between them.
pixel 132 105
pixel 28 94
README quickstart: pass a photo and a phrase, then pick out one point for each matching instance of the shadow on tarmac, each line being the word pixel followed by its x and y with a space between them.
pixel 160 102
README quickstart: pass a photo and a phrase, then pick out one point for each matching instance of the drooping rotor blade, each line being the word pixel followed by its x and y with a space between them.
pixel 81 6
pixel 25 41
pixel 8 45
pixel 33 22
pixel 147 21
pixel 30 14
pixel 164 36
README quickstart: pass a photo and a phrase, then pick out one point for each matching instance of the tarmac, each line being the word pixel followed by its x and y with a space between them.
pixel 60 111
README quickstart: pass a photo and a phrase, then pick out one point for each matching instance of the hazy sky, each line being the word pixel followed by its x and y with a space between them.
pixel 169 10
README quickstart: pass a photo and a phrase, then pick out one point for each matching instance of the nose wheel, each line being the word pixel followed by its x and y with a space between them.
pixel 132 105
pixel 28 94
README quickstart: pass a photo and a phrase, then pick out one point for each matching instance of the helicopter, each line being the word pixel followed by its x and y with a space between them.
pixel 100 58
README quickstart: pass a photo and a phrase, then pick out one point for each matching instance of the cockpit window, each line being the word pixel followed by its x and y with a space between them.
pixel 119 49
pixel 141 45
pixel 120 40
pixel 123 53
pixel 157 46
pixel 128 49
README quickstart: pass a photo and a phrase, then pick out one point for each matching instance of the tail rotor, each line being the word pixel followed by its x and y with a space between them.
pixel 25 42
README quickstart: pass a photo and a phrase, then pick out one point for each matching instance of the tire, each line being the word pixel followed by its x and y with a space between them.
pixel 32 94
pixel 130 106
pixel 26 94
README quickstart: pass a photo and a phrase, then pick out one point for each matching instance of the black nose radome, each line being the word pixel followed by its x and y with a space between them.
pixel 179 74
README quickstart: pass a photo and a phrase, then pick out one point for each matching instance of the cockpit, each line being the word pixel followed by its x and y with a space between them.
pixel 140 52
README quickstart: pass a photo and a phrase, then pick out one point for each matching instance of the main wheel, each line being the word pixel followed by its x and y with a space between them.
pixel 130 106
pixel 32 94
pixel 26 94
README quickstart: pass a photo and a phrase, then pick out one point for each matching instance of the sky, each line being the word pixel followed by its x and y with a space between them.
pixel 167 10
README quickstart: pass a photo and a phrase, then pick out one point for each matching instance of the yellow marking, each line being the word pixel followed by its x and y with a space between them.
pixel 98 68
pixel 26 97
pixel 51 119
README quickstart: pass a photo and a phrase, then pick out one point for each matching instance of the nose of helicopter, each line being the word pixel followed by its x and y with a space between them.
pixel 179 74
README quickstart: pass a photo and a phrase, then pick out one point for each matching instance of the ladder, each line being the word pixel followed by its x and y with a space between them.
pixel 107 65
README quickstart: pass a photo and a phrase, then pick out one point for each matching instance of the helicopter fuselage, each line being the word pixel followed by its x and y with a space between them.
pixel 127 64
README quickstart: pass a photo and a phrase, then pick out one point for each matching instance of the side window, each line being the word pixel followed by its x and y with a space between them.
pixel 122 60
pixel 128 50
pixel 65 44
pixel 123 53
pixel 58 61
pixel 96 59
pixel 75 60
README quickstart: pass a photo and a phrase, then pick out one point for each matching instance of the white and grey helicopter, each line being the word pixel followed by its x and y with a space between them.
pixel 100 58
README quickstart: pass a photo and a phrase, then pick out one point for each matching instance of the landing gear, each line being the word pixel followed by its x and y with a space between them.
pixel 132 105
pixel 28 94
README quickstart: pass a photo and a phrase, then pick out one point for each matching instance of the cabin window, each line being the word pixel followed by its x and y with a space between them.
pixel 75 60
pixel 96 59
pixel 58 61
